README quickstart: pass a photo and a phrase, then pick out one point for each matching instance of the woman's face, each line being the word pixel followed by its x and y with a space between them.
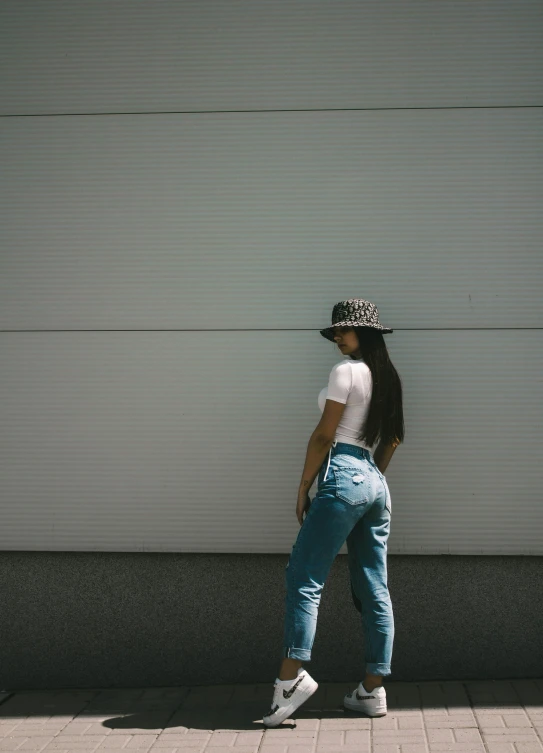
pixel 347 341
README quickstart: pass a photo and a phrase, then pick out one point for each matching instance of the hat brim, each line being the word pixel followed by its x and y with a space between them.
pixel 328 332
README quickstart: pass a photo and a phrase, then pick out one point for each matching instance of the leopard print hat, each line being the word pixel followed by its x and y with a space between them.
pixel 355 312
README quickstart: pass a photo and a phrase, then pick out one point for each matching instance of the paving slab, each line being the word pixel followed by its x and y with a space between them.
pixel 493 716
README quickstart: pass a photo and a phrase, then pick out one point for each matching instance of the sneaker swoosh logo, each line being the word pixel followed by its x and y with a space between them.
pixel 288 693
pixel 363 697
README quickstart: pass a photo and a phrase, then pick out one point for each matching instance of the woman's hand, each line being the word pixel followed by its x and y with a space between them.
pixel 302 505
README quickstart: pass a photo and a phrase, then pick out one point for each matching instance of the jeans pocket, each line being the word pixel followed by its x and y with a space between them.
pixel 353 485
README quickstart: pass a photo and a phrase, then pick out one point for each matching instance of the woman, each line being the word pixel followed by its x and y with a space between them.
pixel 361 404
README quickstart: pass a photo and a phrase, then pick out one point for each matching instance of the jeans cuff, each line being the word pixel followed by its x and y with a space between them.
pixel 378 669
pixel 302 654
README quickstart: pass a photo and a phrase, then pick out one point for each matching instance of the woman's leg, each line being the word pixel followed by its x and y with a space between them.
pixel 289 669
pixel 367 557
pixel 323 532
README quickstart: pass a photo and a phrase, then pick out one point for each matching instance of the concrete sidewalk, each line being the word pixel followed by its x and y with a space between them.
pixel 496 716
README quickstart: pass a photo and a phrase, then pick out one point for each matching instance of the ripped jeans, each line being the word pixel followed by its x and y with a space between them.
pixel 352 504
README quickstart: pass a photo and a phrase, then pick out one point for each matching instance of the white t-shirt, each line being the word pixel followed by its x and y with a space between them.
pixel 350 382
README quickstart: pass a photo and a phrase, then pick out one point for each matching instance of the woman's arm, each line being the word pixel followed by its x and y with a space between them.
pixel 320 442
pixel 317 449
pixel 383 454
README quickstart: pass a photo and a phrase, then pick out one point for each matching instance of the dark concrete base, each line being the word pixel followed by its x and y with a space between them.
pixel 100 619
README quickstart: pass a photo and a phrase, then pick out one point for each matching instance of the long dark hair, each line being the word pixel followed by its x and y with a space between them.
pixel 384 421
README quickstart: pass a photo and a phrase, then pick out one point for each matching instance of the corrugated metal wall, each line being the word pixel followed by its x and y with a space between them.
pixel 188 188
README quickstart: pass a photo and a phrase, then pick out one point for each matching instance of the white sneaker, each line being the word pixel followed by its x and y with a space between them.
pixel 288 696
pixel 372 704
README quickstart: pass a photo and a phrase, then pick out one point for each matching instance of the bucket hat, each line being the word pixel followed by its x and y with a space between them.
pixel 355 312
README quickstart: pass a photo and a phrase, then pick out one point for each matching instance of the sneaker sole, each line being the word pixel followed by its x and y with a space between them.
pixel 352 705
pixel 284 713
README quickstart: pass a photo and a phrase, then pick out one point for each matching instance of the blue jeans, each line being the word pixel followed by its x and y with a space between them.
pixel 353 504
